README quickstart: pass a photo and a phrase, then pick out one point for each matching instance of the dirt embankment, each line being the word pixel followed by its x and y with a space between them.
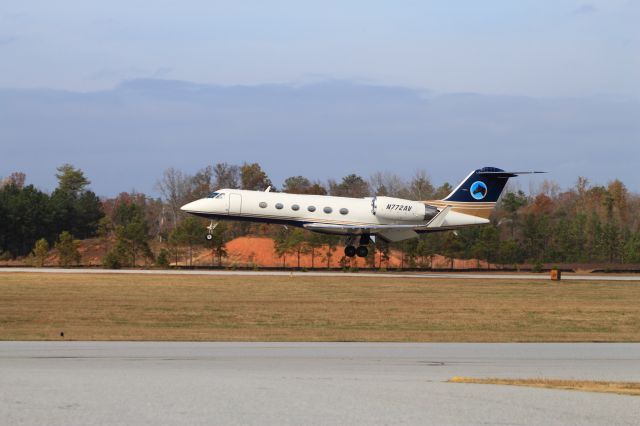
pixel 260 252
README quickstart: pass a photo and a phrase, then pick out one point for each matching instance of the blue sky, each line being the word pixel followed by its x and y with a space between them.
pixel 536 48
pixel 582 56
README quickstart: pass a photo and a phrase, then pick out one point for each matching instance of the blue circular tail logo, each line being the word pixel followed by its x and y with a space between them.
pixel 478 190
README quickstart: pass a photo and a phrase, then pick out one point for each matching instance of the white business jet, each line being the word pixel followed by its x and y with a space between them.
pixel 361 220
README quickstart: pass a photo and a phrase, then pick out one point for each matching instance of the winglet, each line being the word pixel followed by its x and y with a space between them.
pixel 438 219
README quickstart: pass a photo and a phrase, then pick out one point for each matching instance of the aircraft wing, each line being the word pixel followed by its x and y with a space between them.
pixel 392 232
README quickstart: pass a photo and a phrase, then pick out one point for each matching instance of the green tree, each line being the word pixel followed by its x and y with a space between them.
pixel 314 242
pixel 175 244
pixel 25 217
pixel 331 241
pixel 163 258
pixel 426 249
pixel 282 245
pixel 71 180
pixel 67 247
pixel 117 257
pixel 219 239
pixel 511 202
pixel 451 247
pixel 190 233
pixel 351 186
pixel 632 248
pixel 40 251
pixel 76 209
pixel 132 232
pixel 443 190
pixel 296 185
pixel 297 243
pixel 486 244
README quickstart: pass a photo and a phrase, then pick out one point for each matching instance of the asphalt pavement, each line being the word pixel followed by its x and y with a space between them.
pixel 92 383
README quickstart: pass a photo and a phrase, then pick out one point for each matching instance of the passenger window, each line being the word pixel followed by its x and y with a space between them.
pixel 295 207
pixel 279 206
pixel 327 210
pixel 311 208
pixel 344 211
pixel 263 205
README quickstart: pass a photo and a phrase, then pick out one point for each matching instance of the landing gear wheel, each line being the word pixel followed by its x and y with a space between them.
pixel 362 251
pixel 210 228
pixel 349 251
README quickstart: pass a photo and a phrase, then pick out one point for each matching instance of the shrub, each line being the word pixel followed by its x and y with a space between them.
pixel 537 267
pixel 40 251
pixel 111 260
pixel 163 258
pixel 67 247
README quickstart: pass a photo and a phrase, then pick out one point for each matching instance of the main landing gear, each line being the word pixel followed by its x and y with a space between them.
pixel 210 229
pixel 361 251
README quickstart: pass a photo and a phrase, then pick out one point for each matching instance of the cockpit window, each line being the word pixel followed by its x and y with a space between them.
pixel 216 195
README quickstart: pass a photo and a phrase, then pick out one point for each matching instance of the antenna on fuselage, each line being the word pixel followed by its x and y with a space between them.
pixel 268 189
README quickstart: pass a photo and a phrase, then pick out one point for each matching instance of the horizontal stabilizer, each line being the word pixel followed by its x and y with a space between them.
pixel 508 174
pixel 438 219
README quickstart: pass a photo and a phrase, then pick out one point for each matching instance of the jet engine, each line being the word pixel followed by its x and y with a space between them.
pixel 400 209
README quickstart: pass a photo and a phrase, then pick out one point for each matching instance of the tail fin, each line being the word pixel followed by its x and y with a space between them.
pixel 478 193
pixel 481 186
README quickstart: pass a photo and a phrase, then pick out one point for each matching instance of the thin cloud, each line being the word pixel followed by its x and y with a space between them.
pixel 162 72
pixel 7 40
pixel 584 9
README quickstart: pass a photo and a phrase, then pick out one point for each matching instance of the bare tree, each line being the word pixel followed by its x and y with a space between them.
pixel 421 187
pixel 16 178
pixel 392 185
pixel 226 175
pixel 253 177
pixel 175 188
pixel 201 183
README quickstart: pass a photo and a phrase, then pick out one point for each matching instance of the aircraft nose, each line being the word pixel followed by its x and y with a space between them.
pixel 189 207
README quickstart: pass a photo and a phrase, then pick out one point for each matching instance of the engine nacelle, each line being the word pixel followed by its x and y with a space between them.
pixel 400 209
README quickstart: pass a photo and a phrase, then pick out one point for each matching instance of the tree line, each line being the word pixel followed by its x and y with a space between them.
pixel 582 224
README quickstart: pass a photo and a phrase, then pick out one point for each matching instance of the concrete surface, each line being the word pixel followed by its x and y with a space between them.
pixel 492 276
pixel 87 383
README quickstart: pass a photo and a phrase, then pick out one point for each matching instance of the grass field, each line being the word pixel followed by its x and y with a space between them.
pixel 254 308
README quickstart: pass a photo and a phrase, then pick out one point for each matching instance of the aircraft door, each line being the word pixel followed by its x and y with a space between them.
pixel 235 204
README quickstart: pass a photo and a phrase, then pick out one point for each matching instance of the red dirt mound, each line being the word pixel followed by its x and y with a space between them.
pixel 260 251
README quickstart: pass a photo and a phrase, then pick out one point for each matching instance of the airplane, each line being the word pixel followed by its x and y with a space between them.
pixel 361 220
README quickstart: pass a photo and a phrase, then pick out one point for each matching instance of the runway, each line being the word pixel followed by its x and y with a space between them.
pixel 218 272
pixel 87 383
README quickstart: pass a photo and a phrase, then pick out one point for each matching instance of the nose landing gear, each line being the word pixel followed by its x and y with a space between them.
pixel 210 229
